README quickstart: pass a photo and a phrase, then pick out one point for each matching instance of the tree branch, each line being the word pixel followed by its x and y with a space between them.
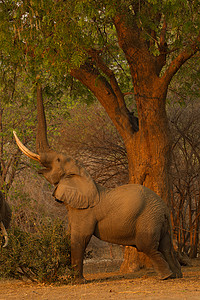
pixel 162 46
pixel 175 65
pixel 163 35
pixel 103 91
pixel 110 74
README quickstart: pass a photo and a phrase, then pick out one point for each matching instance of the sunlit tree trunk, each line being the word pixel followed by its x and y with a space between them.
pixel 149 149
pixel 149 159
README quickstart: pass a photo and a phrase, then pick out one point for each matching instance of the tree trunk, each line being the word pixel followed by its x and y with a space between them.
pixel 149 159
pixel 149 149
pixel 134 261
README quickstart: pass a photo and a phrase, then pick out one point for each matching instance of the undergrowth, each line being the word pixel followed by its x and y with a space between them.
pixel 41 256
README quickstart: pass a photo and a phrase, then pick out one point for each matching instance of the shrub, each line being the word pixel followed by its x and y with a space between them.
pixel 43 256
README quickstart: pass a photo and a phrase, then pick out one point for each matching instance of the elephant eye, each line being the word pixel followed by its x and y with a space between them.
pixel 58 159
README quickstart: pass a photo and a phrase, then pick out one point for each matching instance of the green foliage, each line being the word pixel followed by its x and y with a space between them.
pixel 185 86
pixel 42 256
pixel 48 38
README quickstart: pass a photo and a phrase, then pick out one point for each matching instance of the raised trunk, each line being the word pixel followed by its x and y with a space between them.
pixel 41 137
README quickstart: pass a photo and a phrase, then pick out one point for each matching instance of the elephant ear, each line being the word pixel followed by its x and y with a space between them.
pixel 77 190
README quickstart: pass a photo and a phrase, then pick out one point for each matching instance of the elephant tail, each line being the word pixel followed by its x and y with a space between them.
pixel 170 232
pixel 170 229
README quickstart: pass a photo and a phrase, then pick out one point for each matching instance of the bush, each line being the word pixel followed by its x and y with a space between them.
pixel 91 137
pixel 43 256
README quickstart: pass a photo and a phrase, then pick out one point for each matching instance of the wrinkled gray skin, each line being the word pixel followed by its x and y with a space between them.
pixel 5 217
pixel 130 215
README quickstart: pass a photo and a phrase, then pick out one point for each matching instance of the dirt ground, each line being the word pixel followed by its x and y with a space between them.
pixel 106 282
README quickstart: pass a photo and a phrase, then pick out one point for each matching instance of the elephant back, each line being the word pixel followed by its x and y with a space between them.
pixel 135 200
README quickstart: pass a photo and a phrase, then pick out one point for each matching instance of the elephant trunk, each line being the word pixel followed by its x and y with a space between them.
pixel 42 144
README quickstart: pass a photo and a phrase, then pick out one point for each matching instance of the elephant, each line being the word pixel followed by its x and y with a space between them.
pixel 5 217
pixel 130 215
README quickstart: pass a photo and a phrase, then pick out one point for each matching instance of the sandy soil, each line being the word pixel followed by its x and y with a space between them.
pixel 106 282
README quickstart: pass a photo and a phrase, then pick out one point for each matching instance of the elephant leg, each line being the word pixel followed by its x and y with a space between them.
pixel 149 245
pixel 78 246
pixel 167 250
pixel 160 265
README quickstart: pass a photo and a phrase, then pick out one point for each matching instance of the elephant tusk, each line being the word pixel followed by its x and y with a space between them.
pixel 25 150
pixel 6 241
pixel 4 234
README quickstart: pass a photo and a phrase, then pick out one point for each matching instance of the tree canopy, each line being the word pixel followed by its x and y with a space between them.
pixel 54 37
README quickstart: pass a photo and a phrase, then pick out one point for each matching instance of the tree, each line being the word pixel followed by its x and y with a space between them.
pixel 115 49
pixel 15 111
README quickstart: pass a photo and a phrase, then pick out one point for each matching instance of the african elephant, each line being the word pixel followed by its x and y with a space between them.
pixel 131 214
pixel 5 217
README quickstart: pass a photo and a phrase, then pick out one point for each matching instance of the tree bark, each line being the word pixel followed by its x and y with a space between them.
pixel 149 160
pixel 149 149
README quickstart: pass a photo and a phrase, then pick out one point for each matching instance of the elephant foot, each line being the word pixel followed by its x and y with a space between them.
pixel 169 275
pixel 172 275
pixel 177 275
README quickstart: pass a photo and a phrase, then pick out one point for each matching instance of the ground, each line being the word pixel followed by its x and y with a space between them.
pixel 106 282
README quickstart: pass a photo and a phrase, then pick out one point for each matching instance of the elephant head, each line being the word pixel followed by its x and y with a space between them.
pixel 74 186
